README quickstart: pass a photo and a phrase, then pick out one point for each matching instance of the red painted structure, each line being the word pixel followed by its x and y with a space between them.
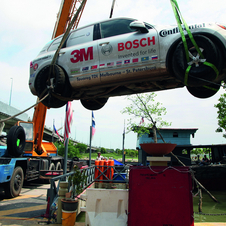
pixel 160 196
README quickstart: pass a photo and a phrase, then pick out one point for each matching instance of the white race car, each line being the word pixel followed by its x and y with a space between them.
pixel 124 56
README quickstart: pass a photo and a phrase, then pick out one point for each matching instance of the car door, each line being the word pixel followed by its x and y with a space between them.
pixel 126 54
pixel 80 58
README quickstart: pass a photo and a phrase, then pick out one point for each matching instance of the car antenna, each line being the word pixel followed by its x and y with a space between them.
pixel 112 7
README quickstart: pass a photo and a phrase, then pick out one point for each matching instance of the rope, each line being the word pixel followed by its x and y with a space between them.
pixel 4 120
pixel 64 38
pixel 180 20
pixel 210 214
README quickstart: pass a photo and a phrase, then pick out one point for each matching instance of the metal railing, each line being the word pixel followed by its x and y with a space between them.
pixel 118 176
pixel 55 184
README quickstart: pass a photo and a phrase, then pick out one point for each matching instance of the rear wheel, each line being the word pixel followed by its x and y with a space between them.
pixel 94 104
pixel 13 188
pixel 16 141
pixel 204 91
pixel 52 83
pixel 199 72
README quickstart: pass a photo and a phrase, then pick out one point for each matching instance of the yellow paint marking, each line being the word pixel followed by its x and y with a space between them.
pixel 23 197
pixel 18 218
pixel 21 210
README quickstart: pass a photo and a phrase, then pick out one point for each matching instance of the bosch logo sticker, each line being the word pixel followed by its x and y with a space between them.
pixel 136 43
pixel 106 50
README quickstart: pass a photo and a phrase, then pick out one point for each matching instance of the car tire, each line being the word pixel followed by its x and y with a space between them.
pixel 14 147
pixel 204 91
pixel 199 71
pixel 13 188
pixel 94 104
pixel 59 86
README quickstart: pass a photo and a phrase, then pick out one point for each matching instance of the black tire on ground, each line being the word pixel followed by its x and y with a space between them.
pixel 16 141
pixel 58 166
pixel 204 91
pixel 52 166
pixel 198 70
pixel 94 104
pixel 59 84
pixel 13 188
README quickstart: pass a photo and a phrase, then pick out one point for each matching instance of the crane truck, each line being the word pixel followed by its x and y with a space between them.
pixel 26 156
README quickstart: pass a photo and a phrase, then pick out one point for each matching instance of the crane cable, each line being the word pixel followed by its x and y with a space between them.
pixel 13 116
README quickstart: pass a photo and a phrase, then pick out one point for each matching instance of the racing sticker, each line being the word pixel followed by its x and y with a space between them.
pixel 110 64
pixel 154 57
pixel 75 71
pixel 93 67
pixel 119 63
pixel 84 69
pixel 144 59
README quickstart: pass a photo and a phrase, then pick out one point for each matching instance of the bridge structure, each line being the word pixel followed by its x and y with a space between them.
pixel 7 111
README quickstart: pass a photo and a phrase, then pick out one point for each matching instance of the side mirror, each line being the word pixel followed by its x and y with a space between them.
pixel 138 26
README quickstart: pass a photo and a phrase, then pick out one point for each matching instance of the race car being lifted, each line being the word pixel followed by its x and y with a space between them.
pixel 124 56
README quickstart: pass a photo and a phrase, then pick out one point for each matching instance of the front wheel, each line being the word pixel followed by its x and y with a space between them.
pixel 94 104
pixel 13 188
pixel 204 91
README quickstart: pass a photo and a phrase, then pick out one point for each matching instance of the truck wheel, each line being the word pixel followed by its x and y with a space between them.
pixel 16 141
pixel 198 69
pixel 94 104
pixel 13 188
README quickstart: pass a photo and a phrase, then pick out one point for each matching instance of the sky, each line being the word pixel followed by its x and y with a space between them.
pixel 27 25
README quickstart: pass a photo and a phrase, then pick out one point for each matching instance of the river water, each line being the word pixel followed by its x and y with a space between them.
pixel 210 210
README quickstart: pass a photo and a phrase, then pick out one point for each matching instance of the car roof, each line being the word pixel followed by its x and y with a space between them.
pixel 97 22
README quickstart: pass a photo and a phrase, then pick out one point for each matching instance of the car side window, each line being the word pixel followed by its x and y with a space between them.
pixel 80 36
pixel 115 27
pixel 55 43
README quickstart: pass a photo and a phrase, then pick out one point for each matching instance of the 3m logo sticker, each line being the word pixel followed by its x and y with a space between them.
pixel 82 55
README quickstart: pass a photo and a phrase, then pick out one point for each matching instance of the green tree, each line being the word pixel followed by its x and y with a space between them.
pixel 73 151
pixel 82 147
pixel 221 106
pixel 103 151
pixel 144 106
